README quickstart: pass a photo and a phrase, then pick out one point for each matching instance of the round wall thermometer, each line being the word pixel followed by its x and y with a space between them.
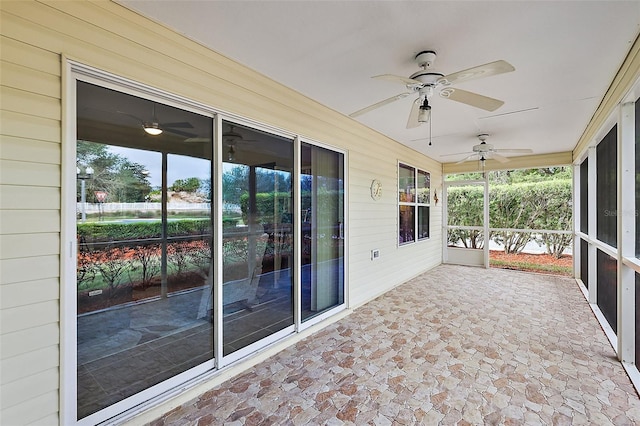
pixel 376 189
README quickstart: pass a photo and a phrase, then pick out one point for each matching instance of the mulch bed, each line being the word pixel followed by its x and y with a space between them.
pixel 565 261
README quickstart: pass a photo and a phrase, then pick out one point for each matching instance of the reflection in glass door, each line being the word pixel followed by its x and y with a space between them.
pixel 322 187
pixel 144 245
pixel 467 217
pixel 257 243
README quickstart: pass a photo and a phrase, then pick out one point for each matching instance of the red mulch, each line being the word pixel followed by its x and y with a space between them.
pixel 565 260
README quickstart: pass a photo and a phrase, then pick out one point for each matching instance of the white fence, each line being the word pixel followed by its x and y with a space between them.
pixel 97 208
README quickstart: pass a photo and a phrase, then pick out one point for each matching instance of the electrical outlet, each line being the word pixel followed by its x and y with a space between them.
pixel 375 254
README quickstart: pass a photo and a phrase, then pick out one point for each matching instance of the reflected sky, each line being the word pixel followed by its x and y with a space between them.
pixel 181 167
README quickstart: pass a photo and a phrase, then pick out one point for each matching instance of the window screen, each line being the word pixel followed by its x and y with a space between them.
pixel 608 288
pixel 606 188
pixel 584 196
pixel 584 262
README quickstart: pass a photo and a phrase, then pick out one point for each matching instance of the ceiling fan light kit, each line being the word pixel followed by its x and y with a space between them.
pixel 152 128
pixel 155 127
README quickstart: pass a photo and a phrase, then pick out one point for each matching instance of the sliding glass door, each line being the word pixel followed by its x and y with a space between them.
pixel 158 294
pixel 144 245
pixel 257 235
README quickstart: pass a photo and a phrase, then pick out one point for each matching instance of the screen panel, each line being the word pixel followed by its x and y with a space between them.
pixel 607 188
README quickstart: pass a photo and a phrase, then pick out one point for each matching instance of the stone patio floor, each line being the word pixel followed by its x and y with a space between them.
pixel 454 346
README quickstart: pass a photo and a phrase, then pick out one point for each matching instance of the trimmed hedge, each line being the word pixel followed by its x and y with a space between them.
pixel 539 205
pixel 119 231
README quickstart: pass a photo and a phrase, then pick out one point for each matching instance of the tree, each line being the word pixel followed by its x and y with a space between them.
pixel 124 180
pixel 191 184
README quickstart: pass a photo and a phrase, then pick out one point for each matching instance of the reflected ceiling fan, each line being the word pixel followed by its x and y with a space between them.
pixel 154 127
pixel 426 82
pixel 484 151
pixel 232 139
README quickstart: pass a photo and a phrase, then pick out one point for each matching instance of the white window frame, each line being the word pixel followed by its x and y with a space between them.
pixel 414 203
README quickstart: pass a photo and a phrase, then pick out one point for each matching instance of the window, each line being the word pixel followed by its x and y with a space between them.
pixel 607 188
pixel 414 194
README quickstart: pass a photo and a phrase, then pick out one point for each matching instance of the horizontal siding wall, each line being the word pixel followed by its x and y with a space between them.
pixel 30 148
pixel 35 36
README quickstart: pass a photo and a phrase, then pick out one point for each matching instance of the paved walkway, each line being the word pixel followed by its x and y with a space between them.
pixel 455 346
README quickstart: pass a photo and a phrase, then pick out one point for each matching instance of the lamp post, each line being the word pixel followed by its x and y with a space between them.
pixel 88 174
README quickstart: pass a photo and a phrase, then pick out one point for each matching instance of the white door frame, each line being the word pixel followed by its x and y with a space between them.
pixel 466 256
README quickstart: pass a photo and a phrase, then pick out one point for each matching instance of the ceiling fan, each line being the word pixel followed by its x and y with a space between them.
pixel 154 127
pixel 484 151
pixel 425 82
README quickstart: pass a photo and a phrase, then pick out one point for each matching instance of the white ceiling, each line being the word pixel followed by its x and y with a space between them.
pixel 565 53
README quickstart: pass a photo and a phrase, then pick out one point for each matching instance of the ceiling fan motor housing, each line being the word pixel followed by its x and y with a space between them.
pixel 425 58
pixel 427 78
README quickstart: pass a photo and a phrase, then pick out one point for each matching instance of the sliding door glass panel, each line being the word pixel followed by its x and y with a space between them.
pixel 584 196
pixel 637 313
pixel 257 241
pixel 136 327
pixel 607 188
pixel 322 196
pixel 608 288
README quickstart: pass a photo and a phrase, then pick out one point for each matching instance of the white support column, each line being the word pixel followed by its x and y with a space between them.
pixel 445 220
pixel 576 221
pixel 486 220
pixel 593 217
pixel 626 232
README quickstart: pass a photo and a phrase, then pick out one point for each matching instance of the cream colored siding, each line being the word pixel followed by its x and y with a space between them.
pixel 30 197
pixel 29 340
pixel 35 38
pixel 36 151
pixel 18 294
pixel 30 230
pixel 34 411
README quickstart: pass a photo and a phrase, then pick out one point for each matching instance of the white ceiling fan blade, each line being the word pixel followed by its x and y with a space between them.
pixel 515 151
pixel 399 79
pixel 379 104
pixel 458 153
pixel 470 98
pixel 413 114
pixel 467 158
pixel 486 70
pixel 498 157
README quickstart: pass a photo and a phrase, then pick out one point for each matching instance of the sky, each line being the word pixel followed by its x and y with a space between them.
pixel 178 166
